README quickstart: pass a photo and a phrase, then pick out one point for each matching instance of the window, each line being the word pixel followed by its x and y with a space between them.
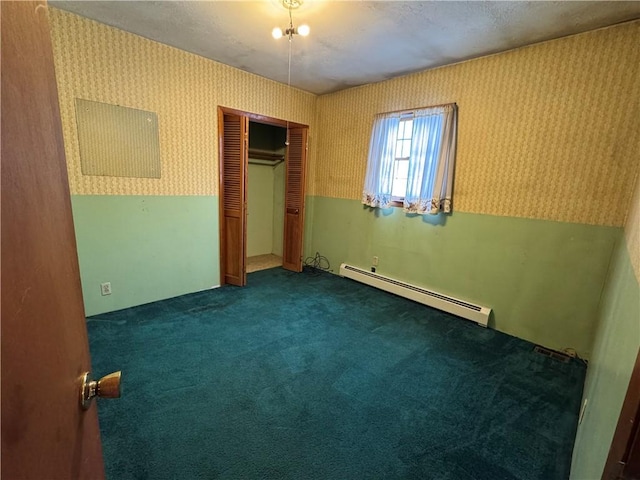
pixel 411 160
pixel 401 161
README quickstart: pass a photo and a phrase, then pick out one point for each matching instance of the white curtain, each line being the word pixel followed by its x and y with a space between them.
pixel 379 178
pixel 431 162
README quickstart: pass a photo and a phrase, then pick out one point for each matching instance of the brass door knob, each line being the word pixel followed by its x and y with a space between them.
pixel 107 387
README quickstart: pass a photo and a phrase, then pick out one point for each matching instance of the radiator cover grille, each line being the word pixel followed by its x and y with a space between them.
pixel 463 309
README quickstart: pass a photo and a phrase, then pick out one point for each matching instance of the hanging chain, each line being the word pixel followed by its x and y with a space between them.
pixel 289 76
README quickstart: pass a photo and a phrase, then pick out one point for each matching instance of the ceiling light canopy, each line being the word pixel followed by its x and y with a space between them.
pixel 303 30
pixel 292 4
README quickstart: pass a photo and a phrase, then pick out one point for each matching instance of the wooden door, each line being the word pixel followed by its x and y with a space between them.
pixel 623 461
pixel 294 199
pixel 45 433
pixel 631 470
pixel 233 206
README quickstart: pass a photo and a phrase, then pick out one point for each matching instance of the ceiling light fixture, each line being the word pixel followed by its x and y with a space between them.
pixel 303 30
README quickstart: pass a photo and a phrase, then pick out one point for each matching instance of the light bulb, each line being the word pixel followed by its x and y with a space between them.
pixel 303 30
pixel 276 33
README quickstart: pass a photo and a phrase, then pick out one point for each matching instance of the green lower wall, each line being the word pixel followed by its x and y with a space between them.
pixel 543 279
pixel 148 247
pixel 614 354
pixel 260 210
pixel 265 209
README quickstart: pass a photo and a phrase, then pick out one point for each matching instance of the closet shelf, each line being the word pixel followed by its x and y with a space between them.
pixel 262 157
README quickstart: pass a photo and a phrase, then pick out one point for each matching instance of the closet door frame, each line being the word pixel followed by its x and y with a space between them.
pixel 228 259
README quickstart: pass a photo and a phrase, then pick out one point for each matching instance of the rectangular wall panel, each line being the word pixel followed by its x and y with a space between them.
pixel 117 141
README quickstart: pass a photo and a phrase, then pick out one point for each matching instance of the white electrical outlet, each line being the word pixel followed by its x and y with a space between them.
pixel 584 407
pixel 105 288
pixel 375 261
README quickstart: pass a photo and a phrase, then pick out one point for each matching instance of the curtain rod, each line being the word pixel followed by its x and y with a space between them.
pixel 408 110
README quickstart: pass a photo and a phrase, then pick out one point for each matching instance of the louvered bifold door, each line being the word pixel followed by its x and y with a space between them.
pixel 233 199
pixel 294 199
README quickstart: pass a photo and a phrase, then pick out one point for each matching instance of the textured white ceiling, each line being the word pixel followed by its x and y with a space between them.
pixel 351 42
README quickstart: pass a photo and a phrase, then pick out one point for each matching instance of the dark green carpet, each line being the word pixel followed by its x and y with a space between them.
pixel 318 377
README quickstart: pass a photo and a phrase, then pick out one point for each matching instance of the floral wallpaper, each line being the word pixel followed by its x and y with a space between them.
pixel 100 63
pixel 548 131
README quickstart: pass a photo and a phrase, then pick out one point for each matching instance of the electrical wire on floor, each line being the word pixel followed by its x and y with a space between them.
pixel 316 265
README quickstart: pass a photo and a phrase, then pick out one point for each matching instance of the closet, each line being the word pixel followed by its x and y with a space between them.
pixel 234 133
pixel 265 195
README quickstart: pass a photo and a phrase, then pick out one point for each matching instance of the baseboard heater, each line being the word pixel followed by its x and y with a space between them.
pixel 458 307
